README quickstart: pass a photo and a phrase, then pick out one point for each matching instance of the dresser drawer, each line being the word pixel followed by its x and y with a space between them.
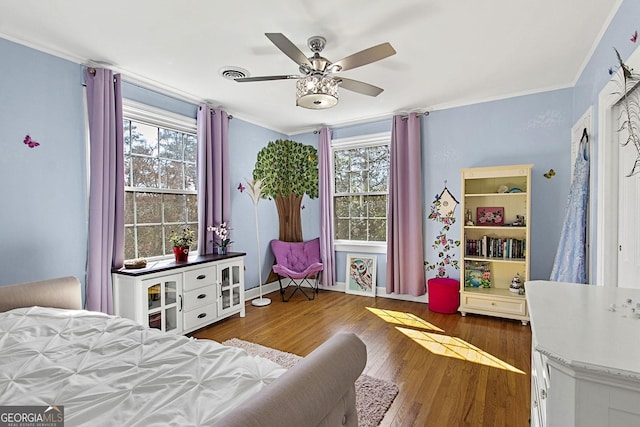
pixel 199 316
pixel 199 297
pixel 199 277
pixel 507 306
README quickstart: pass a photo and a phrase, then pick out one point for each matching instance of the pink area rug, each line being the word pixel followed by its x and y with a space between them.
pixel 373 396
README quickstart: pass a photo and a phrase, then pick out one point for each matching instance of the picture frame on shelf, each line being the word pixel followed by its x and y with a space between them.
pixel 489 216
pixel 361 275
pixel 477 274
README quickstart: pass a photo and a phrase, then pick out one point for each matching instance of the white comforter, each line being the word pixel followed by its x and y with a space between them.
pixel 111 371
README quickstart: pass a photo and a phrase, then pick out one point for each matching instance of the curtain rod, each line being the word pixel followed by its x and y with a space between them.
pixel 426 113
pixel 213 111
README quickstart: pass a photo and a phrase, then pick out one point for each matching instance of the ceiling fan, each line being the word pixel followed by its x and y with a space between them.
pixel 317 86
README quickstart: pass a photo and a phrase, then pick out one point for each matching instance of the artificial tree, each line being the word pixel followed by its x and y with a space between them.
pixel 288 170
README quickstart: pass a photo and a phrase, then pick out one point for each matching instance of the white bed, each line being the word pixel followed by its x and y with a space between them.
pixel 107 370
pixel 112 371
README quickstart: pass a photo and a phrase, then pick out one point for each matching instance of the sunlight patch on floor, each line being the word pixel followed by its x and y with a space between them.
pixel 445 345
pixel 439 343
pixel 402 318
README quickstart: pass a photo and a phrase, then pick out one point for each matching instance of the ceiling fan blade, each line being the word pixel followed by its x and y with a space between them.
pixel 365 57
pixel 266 78
pixel 288 48
pixel 360 87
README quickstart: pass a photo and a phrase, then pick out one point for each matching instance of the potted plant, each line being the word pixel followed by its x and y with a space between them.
pixel 222 233
pixel 181 241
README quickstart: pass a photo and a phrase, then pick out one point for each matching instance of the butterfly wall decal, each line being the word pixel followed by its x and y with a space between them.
pixel 30 142
pixel 241 187
pixel 550 174
pixel 634 37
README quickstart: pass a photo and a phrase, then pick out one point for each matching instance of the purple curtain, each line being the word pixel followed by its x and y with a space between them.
pixel 106 186
pixel 405 251
pixel 214 194
pixel 326 208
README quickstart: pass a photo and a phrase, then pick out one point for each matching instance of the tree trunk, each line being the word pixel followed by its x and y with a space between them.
pixel 290 223
pixel 289 218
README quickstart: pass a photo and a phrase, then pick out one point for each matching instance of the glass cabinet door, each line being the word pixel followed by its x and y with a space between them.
pixel 163 303
pixel 231 282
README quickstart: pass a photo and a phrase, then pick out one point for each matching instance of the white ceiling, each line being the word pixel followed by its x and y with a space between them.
pixel 449 52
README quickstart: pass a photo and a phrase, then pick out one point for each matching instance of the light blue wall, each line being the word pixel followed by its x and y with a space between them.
pixel 521 130
pixel 527 129
pixel 43 220
pixel 149 97
pixel 245 140
pixel 587 90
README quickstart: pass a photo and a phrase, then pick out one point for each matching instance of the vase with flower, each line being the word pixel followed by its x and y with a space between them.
pixel 222 236
pixel 181 241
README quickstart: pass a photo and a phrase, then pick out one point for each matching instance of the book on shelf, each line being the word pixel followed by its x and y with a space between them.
pixel 496 247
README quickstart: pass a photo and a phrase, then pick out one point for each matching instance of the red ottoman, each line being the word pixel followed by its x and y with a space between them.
pixel 444 294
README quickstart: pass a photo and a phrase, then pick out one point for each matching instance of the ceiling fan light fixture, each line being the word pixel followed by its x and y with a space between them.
pixel 316 92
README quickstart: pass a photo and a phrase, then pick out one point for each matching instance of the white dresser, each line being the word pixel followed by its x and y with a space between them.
pixel 181 297
pixel 585 368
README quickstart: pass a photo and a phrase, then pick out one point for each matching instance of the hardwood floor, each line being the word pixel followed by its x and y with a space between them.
pixel 435 390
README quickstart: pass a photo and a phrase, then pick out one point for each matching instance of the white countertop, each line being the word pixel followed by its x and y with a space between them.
pixel 576 325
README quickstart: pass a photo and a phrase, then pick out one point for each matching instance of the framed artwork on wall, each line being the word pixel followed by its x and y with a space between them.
pixel 361 275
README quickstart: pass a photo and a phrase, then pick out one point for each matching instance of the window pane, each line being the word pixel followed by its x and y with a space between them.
pixel 190 177
pixel 378 168
pixel 150 241
pixel 356 182
pixel 192 208
pixel 127 171
pixel 128 207
pixel 341 182
pixel 378 230
pixel 358 229
pixel 144 139
pixel 145 172
pixel 129 243
pixel 190 148
pixel 357 209
pixel 171 175
pixel 127 136
pixel 358 159
pixel 194 227
pixel 175 209
pixel 170 143
pixel 341 207
pixel 342 229
pixel 377 206
pixel 148 208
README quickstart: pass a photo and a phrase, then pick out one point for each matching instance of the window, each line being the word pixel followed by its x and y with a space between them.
pixel 160 179
pixel 361 171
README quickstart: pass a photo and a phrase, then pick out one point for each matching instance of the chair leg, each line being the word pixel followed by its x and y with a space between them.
pixel 311 281
pixel 282 290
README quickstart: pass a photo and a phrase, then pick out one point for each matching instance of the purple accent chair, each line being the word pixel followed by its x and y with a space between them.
pixel 300 262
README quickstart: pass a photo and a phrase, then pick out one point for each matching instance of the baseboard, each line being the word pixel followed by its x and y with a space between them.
pixel 380 293
pixel 339 287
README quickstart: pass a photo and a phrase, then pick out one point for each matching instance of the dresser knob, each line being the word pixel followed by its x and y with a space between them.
pixel 202 296
pixel 543 393
pixel 202 276
pixel 202 315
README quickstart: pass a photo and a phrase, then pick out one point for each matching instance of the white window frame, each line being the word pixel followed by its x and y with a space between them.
pixel 362 141
pixel 143 113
